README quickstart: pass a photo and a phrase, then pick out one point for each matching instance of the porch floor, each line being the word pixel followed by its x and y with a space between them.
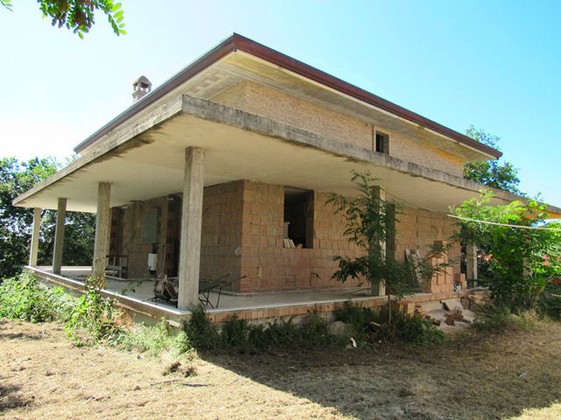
pixel 137 296
pixel 143 290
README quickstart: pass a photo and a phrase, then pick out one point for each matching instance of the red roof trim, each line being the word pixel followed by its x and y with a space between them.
pixel 238 42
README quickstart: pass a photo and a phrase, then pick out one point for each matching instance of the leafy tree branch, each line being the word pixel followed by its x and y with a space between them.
pixel 79 15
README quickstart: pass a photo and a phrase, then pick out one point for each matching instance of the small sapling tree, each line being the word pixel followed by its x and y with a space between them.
pixel 369 224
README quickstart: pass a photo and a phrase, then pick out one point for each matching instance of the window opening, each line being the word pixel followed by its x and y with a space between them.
pixel 298 218
pixel 383 143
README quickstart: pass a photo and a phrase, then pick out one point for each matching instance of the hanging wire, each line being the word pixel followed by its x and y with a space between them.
pixel 471 220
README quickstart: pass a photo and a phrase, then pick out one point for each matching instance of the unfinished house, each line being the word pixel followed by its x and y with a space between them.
pixel 224 171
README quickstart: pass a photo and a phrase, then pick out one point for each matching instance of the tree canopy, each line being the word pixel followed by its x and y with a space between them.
pixel 493 173
pixel 16 222
pixel 79 15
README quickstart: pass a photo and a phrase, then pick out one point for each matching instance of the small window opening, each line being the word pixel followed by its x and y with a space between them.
pixel 298 218
pixel 383 143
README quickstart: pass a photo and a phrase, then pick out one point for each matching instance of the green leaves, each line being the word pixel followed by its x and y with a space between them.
pixel 79 15
pixel 16 222
pixel 7 4
pixel 492 173
pixel 516 261
pixel 369 224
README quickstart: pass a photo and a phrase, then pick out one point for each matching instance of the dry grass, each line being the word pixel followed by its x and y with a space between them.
pixel 492 376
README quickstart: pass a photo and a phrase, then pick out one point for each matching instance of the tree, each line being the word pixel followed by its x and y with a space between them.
pixel 493 173
pixel 79 15
pixel 16 222
pixel 522 254
pixel 368 225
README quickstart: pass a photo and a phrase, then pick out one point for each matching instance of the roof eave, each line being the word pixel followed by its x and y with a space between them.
pixel 238 42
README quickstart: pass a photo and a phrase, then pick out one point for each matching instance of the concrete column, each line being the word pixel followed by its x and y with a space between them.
pixel 34 248
pixel 102 229
pixel 59 235
pixel 379 289
pixel 471 263
pixel 191 226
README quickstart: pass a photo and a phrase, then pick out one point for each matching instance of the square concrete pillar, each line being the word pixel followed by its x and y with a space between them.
pixel 191 227
pixel 471 263
pixel 34 247
pixel 102 229
pixel 379 289
pixel 59 235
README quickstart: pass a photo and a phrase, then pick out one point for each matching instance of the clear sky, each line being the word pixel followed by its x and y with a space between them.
pixel 493 64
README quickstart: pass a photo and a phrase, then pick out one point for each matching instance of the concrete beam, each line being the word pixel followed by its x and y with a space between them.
pixel 34 247
pixel 102 229
pixel 59 235
pixel 191 227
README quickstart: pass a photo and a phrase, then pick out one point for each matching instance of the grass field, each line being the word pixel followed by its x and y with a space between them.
pixel 515 373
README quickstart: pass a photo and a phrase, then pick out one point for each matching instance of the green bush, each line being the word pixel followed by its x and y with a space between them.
pixel 369 326
pixel 202 333
pixel 95 319
pixel 278 333
pixel 313 331
pixel 550 300
pixel 362 321
pixel 154 339
pixel 235 332
pixel 499 318
pixel 24 298
pixel 417 330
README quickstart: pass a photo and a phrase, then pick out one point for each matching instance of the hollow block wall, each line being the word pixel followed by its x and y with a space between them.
pixel 419 229
pixel 259 99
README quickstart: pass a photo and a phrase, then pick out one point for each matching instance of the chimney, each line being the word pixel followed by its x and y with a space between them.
pixel 140 88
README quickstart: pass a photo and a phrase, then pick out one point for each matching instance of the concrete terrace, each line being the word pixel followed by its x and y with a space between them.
pixel 136 296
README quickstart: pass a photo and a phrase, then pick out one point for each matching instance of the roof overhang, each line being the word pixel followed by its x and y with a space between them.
pixel 241 54
pixel 147 161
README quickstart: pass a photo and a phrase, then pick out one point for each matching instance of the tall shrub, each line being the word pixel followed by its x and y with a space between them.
pixel 521 252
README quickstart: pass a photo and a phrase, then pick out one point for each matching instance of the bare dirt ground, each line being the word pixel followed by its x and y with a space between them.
pixel 491 376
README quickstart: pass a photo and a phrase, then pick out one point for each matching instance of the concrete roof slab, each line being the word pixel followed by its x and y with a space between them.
pixel 145 160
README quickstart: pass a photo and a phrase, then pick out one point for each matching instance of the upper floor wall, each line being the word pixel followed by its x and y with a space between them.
pixel 262 100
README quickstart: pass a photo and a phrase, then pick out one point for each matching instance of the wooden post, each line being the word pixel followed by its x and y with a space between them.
pixel 102 229
pixel 59 235
pixel 34 247
pixel 191 227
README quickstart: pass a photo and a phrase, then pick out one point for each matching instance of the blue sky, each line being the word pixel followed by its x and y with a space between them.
pixel 493 64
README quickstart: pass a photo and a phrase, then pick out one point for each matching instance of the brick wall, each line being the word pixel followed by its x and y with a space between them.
pixel 419 229
pixel 222 231
pixel 261 100
pixel 127 238
pixel 132 243
pixel 243 232
pixel 270 266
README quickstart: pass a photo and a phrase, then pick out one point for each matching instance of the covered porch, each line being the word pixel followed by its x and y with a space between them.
pixel 188 144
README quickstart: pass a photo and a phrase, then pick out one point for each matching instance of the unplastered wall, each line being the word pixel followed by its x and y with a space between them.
pixel 267 264
pixel 418 149
pixel 132 244
pixel 419 229
pixel 221 237
pixel 262 100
